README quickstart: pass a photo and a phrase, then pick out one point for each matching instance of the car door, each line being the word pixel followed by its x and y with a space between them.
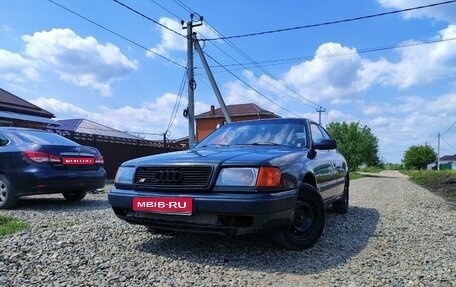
pixel 322 164
pixel 339 168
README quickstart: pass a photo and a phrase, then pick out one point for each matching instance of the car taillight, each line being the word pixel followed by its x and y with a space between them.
pixel 99 159
pixel 40 157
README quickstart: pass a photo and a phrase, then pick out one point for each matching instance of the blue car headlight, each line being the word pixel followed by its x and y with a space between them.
pixel 124 175
pixel 245 176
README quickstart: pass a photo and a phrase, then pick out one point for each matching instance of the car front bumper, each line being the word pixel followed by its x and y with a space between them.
pixel 222 213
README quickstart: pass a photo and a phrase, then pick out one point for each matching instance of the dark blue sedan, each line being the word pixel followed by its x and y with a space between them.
pixel 276 176
pixel 37 162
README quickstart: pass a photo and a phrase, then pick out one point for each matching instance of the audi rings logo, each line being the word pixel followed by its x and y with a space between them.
pixel 169 176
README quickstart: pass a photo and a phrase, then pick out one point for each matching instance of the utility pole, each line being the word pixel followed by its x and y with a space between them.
pixel 191 80
pixel 319 111
pixel 438 151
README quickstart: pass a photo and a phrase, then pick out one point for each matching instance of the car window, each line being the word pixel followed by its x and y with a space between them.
pixel 324 133
pixel 3 140
pixel 41 137
pixel 317 134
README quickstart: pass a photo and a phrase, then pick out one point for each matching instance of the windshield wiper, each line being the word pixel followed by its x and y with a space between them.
pixel 267 143
pixel 208 145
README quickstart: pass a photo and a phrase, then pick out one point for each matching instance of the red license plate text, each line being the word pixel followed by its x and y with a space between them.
pixel 79 160
pixel 169 205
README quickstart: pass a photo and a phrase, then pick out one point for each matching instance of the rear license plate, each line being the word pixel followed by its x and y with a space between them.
pixel 168 205
pixel 79 160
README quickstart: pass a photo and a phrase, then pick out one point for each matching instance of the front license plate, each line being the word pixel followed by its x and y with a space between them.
pixel 168 205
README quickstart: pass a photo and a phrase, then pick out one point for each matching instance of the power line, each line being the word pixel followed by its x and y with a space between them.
pixel 234 47
pixel 255 90
pixel 185 7
pixel 177 103
pixel 448 143
pixel 257 65
pixel 150 19
pixel 264 70
pixel 331 22
pixel 362 51
pixel 117 34
pixel 448 129
pixel 167 10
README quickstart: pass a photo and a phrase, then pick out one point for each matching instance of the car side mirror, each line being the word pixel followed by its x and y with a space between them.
pixel 325 144
pixel 3 142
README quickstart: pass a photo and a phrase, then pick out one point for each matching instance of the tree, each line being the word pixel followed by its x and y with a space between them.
pixel 418 156
pixel 357 143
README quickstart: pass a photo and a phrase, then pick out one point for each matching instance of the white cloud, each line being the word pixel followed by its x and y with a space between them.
pixel 170 41
pixel 81 61
pixel 339 74
pixel 334 74
pixel 15 68
pixel 423 64
pixel 445 13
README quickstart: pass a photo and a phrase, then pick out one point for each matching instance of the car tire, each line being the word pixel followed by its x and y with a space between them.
pixel 74 195
pixel 341 205
pixel 7 198
pixel 308 221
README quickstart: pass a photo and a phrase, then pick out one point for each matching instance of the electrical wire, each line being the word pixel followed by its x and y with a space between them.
pixel 443 139
pixel 362 51
pixel 252 88
pixel 331 22
pixel 185 7
pixel 256 65
pixel 164 8
pixel 177 103
pixel 448 129
pixel 234 47
pixel 150 19
pixel 117 34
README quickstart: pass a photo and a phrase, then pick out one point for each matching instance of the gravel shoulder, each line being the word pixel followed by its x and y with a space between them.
pixel 395 234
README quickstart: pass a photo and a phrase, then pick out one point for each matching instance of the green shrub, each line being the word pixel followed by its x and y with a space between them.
pixel 430 177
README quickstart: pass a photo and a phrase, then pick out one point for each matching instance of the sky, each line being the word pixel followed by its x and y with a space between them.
pixel 121 63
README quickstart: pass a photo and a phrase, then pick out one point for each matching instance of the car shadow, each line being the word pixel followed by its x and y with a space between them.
pixel 56 203
pixel 344 237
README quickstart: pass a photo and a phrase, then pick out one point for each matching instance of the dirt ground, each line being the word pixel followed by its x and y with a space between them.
pixel 445 188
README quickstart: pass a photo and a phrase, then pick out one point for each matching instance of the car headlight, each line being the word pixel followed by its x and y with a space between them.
pixel 268 177
pixel 124 175
pixel 237 177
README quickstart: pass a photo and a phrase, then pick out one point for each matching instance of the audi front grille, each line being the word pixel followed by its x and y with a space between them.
pixel 175 177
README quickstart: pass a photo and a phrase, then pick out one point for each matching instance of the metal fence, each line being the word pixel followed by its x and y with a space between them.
pixel 117 150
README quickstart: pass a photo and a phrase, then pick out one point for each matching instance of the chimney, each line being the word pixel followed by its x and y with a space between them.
pixel 212 109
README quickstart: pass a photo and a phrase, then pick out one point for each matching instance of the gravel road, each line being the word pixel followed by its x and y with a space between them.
pixel 395 234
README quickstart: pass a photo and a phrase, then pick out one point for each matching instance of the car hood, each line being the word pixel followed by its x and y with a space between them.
pixel 245 156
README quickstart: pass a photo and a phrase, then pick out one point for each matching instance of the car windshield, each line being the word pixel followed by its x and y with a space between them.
pixel 258 133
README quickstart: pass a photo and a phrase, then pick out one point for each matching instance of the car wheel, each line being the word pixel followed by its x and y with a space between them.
pixel 74 195
pixel 341 205
pixel 7 198
pixel 308 221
